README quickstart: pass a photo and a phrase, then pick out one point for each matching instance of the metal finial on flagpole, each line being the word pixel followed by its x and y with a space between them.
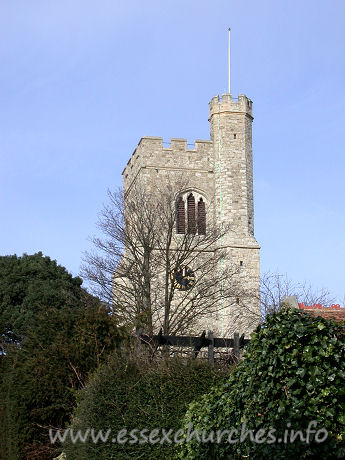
pixel 229 74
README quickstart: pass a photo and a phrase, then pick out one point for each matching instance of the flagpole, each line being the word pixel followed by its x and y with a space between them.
pixel 229 85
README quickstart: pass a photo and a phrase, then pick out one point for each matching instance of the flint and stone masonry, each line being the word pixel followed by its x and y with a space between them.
pixel 220 170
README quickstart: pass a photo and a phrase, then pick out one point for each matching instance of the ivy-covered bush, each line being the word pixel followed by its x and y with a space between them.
pixel 135 394
pixel 292 377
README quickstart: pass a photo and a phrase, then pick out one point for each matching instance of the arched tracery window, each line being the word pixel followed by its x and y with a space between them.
pixel 193 219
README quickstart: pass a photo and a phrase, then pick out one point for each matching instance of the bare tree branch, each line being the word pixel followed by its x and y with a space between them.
pixel 275 287
pixel 132 266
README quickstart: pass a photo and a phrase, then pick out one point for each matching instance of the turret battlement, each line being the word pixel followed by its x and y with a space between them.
pixel 227 103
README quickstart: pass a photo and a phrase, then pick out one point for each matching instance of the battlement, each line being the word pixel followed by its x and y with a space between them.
pixel 176 144
pixel 153 150
pixel 227 103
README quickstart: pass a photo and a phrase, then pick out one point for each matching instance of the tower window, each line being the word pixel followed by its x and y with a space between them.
pixel 193 219
pixel 235 135
pixel 237 300
pixel 201 217
pixel 191 214
pixel 181 219
pixel 241 263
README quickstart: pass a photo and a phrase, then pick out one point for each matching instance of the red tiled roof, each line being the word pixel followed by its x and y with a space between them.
pixel 334 312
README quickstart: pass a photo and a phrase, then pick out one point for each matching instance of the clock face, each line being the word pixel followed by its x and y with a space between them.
pixel 183 278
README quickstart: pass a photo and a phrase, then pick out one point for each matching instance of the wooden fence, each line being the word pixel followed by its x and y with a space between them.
pixel 234 345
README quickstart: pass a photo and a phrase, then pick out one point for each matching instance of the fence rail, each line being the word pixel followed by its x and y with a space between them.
pixel 235 344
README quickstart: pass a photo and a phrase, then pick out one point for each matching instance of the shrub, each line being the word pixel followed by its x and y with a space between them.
pixel 135 394
pixel 292 373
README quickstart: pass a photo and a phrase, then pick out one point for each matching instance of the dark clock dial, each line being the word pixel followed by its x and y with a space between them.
pixel 183 278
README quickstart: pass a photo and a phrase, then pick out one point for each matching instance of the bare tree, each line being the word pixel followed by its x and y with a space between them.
pixel 275 287
pixel 154 277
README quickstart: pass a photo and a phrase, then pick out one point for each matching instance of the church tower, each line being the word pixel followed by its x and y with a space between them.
pixel 220 176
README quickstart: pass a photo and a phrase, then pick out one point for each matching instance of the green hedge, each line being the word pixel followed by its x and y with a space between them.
pixel 293 373
pixel 135 394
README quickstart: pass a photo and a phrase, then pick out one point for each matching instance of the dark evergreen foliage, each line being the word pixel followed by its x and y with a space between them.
pixel 62 333
pixel 28 282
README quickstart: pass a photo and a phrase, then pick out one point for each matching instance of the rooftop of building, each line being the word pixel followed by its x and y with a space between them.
pixel 334 311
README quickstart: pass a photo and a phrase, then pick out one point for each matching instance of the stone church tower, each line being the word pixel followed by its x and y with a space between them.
pixel 220 174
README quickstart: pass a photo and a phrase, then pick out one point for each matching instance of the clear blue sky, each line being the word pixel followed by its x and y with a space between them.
pixel 82 81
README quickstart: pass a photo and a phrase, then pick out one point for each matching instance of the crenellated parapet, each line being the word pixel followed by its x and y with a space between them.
pixel 153 153
pixel 228 104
